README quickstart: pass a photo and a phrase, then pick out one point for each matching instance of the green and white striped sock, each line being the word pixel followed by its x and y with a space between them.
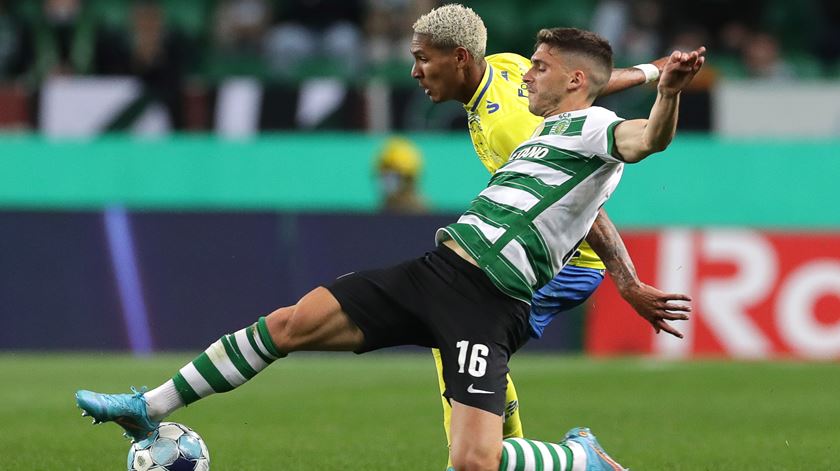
pixel 521 454
pixel 227 364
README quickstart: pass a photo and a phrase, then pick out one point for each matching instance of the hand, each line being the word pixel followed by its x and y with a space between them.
pixel 658 307
pixel 660 63
pixel 679 69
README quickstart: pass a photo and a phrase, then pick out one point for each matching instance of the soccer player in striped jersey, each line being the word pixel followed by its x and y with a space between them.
pixel 448 48
pixel 470 296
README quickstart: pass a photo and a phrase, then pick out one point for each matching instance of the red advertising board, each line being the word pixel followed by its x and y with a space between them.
pixel 755 295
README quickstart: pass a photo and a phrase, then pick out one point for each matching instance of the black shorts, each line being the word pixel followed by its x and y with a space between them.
pixel 440 300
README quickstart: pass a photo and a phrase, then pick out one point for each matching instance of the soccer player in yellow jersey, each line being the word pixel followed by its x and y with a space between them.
pixel 449 63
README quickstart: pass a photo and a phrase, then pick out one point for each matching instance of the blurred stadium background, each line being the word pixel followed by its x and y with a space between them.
pixel 171 170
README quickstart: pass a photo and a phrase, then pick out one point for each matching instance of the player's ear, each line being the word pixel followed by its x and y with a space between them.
pixel 462 56
pixel 577 79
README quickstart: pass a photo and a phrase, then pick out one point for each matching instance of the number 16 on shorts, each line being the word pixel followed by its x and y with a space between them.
pixel 477 365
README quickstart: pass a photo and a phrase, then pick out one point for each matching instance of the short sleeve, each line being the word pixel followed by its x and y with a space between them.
pixel 598 133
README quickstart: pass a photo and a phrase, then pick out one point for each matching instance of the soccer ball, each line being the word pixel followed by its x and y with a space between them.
pixel 172 447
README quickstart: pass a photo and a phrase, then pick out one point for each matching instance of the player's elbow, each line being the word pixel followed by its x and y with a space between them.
pixel 648 147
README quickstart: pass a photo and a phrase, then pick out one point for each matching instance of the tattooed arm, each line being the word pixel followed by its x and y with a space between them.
pixel 652 304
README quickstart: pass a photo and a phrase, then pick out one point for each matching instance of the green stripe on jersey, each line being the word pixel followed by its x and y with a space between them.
pixel 564 154
pixel 537 250
pixel 611 140
pixel 552 197
pixel 508 279
pixel 469 238
pixel 521 181
pixel 519 226
pixel 491 212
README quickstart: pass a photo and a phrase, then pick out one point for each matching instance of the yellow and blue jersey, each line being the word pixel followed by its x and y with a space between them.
pixel 499 121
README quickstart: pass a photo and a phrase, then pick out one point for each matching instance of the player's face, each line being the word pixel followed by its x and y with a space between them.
pixel 546 81
pixel 435 69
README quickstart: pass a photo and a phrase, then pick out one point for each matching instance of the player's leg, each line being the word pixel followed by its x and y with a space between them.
pixel 512 424
pixel 476 438
pixel 447 409
pixel 477 445
pixel 579 451
pixel 476 328
pixel 316 322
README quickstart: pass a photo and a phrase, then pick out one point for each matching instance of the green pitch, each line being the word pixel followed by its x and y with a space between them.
pixel 381 411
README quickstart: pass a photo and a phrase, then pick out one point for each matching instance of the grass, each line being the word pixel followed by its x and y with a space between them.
pixel 382 411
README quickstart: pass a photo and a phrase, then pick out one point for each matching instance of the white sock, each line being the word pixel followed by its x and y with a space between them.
pixel 162 401
pixel 578 455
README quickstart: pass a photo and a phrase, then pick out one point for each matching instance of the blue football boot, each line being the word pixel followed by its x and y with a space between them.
pixel 127 410
pixel 596 458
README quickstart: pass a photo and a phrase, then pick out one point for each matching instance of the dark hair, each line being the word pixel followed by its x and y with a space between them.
pixel 581 42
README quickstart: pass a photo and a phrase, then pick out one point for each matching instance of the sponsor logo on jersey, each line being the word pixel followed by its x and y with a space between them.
pixel 504 75
pixel 492 107
pixel 534 152
pixel 473 390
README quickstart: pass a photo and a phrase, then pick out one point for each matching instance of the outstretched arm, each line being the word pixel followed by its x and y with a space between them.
pixel 653 305
pixel 622 79
pixel 638 138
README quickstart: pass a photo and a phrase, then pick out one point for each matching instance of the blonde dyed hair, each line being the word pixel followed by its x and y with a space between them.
pixel 452 26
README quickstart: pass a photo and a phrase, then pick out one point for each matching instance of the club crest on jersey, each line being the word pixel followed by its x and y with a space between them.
pixel 562 124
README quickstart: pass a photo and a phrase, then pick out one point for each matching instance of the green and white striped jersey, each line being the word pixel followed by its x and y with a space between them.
pixel 537 207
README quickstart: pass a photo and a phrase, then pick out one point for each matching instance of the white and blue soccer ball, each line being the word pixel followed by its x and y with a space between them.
pixel 172 447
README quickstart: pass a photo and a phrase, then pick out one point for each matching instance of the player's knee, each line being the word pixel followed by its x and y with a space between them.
pixel 476 459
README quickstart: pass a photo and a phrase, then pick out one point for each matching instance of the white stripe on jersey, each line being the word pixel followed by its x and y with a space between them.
pixel 513 197
pixel 516 255
pixel 545 174
pixel 492 233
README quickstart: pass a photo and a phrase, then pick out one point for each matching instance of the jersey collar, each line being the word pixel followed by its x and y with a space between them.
pixel 481 90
